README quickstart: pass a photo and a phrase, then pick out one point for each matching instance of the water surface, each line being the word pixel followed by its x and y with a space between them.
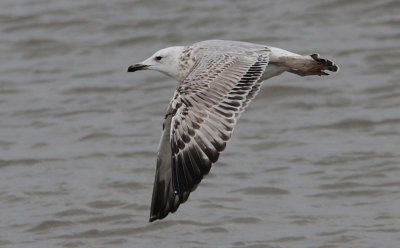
pixel 313 162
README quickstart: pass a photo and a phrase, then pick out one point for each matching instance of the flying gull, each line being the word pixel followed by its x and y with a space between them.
pixel 217 79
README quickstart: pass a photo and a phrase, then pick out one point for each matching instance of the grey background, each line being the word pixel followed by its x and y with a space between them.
pixel 313 162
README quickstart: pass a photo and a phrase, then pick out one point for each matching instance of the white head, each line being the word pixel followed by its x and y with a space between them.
pixel 167 61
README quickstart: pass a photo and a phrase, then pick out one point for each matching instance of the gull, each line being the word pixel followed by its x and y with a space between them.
pixel 217 79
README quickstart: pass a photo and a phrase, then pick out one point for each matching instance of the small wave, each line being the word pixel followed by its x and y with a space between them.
pixel 262 191
pixel 49 225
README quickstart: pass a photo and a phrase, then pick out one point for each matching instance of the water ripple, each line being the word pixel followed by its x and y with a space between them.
pixel 313 161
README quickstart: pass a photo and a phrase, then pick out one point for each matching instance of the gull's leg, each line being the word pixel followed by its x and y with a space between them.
pixel 308 73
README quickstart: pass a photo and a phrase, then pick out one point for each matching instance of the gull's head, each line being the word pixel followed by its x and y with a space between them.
pixel 167 61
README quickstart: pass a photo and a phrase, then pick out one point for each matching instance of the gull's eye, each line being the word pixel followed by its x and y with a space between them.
pixel 158 58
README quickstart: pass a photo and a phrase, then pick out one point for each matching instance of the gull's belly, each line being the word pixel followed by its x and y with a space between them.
pixel 272 70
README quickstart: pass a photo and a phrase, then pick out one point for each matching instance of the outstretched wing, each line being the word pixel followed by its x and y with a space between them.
pixel 201 118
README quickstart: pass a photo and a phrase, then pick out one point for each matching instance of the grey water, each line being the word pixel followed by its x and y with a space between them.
pixel 313 161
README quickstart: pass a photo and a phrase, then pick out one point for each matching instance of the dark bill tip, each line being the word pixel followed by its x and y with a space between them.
pixel 136 67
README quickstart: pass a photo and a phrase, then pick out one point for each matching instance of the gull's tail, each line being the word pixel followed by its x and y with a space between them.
pixel 310 65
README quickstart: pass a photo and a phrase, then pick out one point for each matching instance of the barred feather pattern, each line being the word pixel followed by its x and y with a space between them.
pixel 205 109
pixel 201 116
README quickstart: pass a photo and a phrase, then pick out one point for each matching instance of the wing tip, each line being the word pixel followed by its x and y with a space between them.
pixel 153 218
pixel 159 215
